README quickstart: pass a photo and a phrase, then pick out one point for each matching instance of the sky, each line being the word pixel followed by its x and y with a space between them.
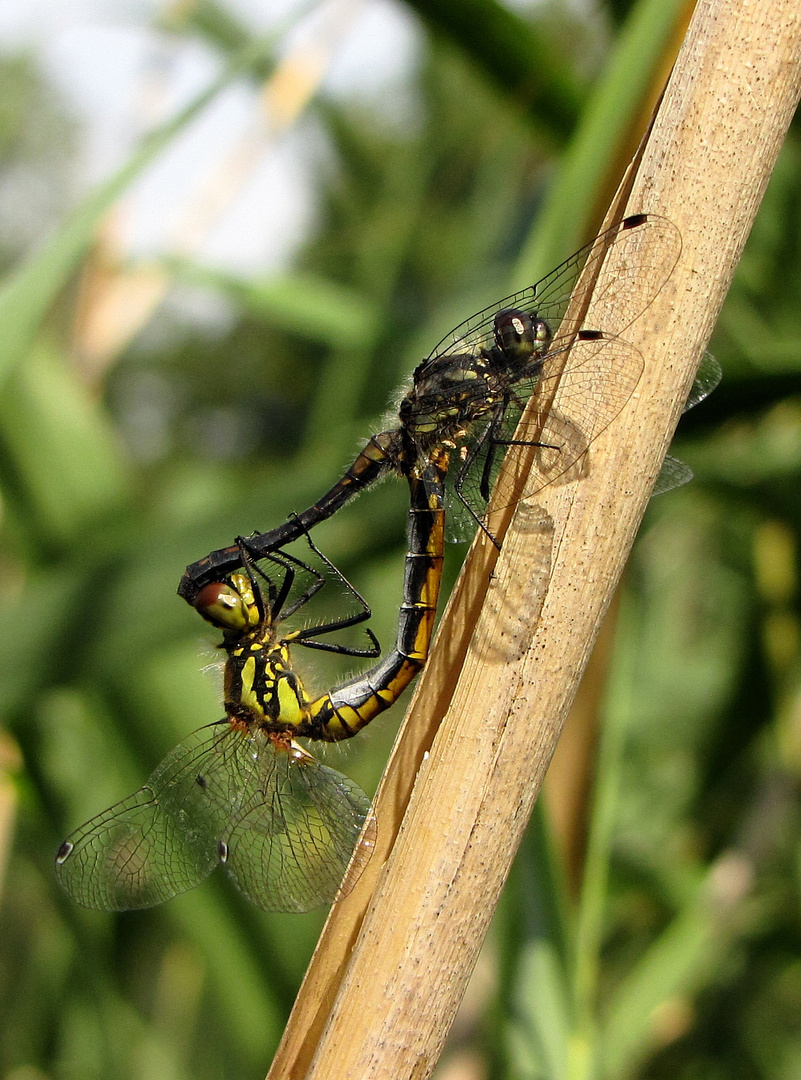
pixel 232 191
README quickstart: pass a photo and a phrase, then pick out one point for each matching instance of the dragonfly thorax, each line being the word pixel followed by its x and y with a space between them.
pixel 262 689
pixel 446 396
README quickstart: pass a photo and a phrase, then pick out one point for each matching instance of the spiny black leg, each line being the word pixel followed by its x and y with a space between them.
pixel 458 484
pixel 287 563
pixel 343 650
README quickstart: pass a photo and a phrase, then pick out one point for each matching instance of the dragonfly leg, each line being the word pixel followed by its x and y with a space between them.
pixel 461 476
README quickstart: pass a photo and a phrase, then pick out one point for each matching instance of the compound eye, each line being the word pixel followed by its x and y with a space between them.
pixel 223 607
pixel 515 332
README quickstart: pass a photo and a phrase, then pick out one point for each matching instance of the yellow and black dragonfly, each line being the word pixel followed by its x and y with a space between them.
pixel 243 792
pixel 468 396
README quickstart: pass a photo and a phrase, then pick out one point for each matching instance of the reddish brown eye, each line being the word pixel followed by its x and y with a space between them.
pixel 208 595
pixel 229 605
pixel 222 606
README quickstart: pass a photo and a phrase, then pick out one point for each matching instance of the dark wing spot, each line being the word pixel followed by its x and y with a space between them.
pixel 64 852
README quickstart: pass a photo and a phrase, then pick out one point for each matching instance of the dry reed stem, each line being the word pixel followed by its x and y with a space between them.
pixel 384 986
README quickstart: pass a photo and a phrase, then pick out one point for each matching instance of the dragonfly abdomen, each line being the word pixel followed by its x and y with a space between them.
pixel 344 711
pixel 380 455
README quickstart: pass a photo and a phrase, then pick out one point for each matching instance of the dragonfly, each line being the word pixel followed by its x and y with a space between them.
pixel 467 398
pixel 243 792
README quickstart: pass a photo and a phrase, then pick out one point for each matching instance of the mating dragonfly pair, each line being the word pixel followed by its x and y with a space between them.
pixel 243 792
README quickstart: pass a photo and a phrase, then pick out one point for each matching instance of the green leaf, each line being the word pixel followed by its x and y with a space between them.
pixel 62 458
pixel 576 194
pixel 302 303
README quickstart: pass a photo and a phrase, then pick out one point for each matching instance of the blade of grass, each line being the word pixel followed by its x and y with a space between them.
pixel 305 304
pixel 513 55
pixel 120 302
pixel 685 958
pixel 594 889
pixel 534 1013
pixel 624 96
pixel 66 469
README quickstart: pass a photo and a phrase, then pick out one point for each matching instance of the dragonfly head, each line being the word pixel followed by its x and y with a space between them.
pixel 229 605
pixel 519 334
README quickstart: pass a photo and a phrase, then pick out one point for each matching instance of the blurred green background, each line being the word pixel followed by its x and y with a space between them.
pixel 161 396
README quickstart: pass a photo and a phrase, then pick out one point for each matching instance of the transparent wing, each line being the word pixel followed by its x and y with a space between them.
pixel 284 825
pixel 598 380
pixel 706 380
pixel 595 370
pixel 291 845
pixel 644 248
pixel 674 473
pixel 163 839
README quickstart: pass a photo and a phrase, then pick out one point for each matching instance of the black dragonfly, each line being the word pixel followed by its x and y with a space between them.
pixel 468 396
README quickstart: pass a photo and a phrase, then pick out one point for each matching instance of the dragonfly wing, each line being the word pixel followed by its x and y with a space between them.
pixel 706 379
pixel 292 843
pixel 642 255
pixel 460 524
pixel 162 840
pixel 642 251
pixel 673 474
pixel 598 379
